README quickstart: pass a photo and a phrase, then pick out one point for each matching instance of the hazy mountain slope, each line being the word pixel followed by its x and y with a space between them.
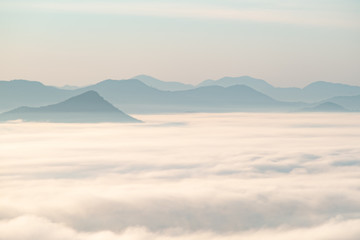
pixel 349 102
pixel 216 95
pixel 162 85
pixel 126 92
pixel 326 90
pixel 131 94
pixel 313 92
pixel 325 107
pixel 88 107
pixel 233 98
pixel 17 93
pixel 134 96
pixel 257 84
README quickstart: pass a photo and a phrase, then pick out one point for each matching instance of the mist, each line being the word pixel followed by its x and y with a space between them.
pixel 183 176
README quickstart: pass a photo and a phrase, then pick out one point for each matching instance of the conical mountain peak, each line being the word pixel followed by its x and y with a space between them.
pixel 86 107
pixel 89 101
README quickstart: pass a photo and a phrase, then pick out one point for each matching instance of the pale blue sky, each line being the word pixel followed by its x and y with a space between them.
pixel 77 42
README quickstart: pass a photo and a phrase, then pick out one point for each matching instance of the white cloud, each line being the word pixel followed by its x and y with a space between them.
pixel 29 227
pixel 220 176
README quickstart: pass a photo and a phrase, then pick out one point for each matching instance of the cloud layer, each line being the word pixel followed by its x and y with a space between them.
pixel 215 176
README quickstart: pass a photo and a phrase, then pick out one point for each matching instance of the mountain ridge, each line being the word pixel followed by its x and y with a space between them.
pixel 325 107
pixel 87 107
pixel 135 96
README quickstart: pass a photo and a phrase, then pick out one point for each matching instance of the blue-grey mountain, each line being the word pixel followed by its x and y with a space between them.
pixel 313 92
pixel 325 107
pixel 133 96
pixel 257 84
pixel 17 93
pixel 88 107
pixel 162 85
pixel 350 102
pixel 227 94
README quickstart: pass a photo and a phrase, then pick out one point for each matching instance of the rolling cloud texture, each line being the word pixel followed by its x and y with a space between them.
pixel 189 176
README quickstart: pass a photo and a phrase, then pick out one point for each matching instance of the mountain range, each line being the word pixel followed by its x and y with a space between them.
pixel 88 107
pixel 316 91
pixel 325 107
pixel 145 94
pixel 313 92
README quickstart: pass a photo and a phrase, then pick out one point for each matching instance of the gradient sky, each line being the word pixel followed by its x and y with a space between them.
pixel 78 42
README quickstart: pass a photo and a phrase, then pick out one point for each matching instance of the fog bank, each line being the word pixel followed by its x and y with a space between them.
pixel 184 176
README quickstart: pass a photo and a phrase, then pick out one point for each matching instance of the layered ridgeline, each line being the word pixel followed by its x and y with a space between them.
pixel 162 85
pixel 88 107
pixel 325 107
pixel 18 93
pixel 350 102
pixel 134 96
pixel 149 95
pixel 314 92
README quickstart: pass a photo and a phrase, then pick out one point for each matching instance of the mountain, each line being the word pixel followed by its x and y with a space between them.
pixel 134 96
pixel 251 100
pixel 68 87
pixel 323 90
pixel 125 91
pixel 162 85
pixel 16 93
pixel 233 98
pixel 257 84
pixel 325 107
pixel 349 102
pixel 217 96
pixel 314 92
pixel 88 107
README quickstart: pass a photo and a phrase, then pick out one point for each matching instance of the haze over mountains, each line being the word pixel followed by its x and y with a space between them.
pixel 325 107
pixel 145 94
pixel 350 102
pixel 162 85
pixel 17 93
pixel 316 91
pixel 88 107
pixel 313 92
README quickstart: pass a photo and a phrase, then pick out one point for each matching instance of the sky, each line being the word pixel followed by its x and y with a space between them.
pixel 189 176
pixel 77 42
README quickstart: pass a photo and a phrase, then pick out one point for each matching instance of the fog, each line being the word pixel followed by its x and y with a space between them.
pixel 183 176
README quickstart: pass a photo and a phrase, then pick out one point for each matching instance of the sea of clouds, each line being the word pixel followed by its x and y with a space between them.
pixel 185 176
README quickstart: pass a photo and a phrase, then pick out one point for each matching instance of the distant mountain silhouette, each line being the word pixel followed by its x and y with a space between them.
pixel 227 94
pixel 125 91
pixel 68 87
pixel 257 84
pixel 88 107
pixel 17 93
pixel 162 85
pixel 313 92
pixel 350 102
pixel 216 95
pixel 326 90
pixel 133 96
pixel 325 107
